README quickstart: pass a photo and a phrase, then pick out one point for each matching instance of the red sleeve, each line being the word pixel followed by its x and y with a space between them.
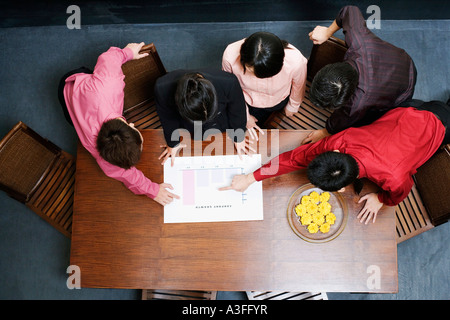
pixel 394 193
pixel 289 161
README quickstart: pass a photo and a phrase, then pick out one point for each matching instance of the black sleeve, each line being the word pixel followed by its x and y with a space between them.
pixel 166 108
pixel 236 109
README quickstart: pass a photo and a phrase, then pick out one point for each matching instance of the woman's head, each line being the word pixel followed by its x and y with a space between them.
pixel 196 98
pixel 263 52
pixel 334 85
pixel 119 143
pixel 332 171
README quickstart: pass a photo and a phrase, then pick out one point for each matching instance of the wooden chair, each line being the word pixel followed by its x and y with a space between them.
pixel 283 295
pixel 39 174
pixel 149 294
pixel 140 78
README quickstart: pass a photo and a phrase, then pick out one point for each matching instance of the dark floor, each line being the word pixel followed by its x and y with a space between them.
pixel 34 256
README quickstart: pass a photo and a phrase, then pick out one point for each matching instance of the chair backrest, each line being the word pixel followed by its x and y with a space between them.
pixel 433 180
pixel 140 77
pixel 25 157
pixel 331 51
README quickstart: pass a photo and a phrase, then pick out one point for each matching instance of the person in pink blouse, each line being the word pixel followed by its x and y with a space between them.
pixel 93 104
pixel 272 74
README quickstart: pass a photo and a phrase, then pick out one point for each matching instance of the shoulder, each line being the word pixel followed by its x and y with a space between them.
pixel 234 48
pixel 232 53
pixel 220 77
pixel 292 52
pixel 294 58
pixel 169 78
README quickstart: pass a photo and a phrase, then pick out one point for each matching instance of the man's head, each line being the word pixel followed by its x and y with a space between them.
pixel 119 143
pixel 332 171
pixel 196 98
pixel 263 54
pixel 334 85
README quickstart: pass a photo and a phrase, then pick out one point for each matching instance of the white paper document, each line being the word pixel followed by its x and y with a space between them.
pixel 197 180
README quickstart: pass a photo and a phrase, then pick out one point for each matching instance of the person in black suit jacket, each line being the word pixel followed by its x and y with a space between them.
pixel 213 98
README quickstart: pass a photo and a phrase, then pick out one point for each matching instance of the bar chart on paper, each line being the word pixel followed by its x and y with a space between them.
pixel 197 181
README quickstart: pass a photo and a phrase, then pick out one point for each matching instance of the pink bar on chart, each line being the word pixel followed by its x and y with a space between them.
pixel 189 187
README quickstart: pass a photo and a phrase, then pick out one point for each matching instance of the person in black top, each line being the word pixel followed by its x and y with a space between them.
pixel 199 101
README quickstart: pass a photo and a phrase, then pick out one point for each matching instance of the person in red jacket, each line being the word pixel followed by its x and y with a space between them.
pixel 387 152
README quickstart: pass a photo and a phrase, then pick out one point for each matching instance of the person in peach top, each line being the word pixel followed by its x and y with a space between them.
pixel 272 74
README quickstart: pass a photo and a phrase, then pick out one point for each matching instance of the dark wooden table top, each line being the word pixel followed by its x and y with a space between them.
pixel 119 239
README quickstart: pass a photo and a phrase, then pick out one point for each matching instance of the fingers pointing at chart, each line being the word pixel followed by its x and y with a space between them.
pixel 240 182
pixel 164 196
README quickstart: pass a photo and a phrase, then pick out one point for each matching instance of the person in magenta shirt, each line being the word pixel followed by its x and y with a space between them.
pixel 93 102
pixel 272 75
pixel 387 152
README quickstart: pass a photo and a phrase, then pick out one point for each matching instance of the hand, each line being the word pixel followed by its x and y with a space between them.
pixel 243 147
pixel 370 209
pixel 240 182
pixel 319 35
pixel 170 153
pixel 251 126
pixel 315 136
pixel 288 113
pixel 165 197
pixel 136 47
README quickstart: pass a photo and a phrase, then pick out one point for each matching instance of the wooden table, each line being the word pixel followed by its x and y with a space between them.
pixel 119 239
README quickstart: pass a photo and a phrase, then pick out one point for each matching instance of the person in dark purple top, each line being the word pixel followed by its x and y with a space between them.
pixel 374 77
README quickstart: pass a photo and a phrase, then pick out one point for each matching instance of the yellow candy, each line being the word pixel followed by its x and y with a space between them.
pixel 331 218
pixel 313 228
pixel 324 228
pixel 324 207
pixel 314 196
pixel 306 200
pixel 300 210
pixel 311 208
pixel 318 219
pixel 325 196
pixel 306 219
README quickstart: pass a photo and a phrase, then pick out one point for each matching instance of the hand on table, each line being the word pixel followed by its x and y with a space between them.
pixel 136 48
pixel 164 196
pixel 315 136
pixel 244 147
pixel 252 127
pixel 240 182
pixel 170 153
pixel 370 209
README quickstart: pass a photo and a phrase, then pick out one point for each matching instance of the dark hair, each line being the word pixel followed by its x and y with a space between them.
pixel 334 85
pixel 331 171
pixel 119 144
pixel 264 52
pixel 196 98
